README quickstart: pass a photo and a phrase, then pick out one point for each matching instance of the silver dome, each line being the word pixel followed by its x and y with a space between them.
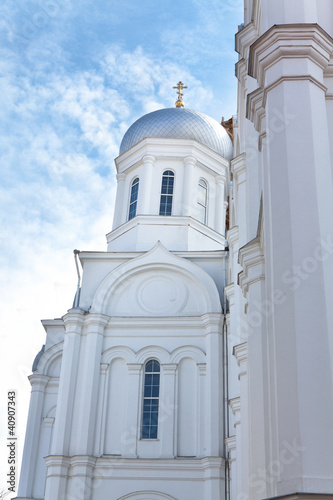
pixel 179 123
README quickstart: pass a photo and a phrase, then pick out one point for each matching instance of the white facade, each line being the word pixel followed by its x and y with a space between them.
pixel 240 323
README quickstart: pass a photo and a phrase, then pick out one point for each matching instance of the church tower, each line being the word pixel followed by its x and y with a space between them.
pixel 128 394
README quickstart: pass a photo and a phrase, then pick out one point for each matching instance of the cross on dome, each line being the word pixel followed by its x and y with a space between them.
pixel 180 86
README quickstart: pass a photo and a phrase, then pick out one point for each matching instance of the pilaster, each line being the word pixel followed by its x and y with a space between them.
pixel 145 185
pixel 118 217
pixel 38 383
pixel 188 189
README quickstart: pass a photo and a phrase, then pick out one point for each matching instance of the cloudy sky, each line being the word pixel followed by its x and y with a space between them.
pixel 74 76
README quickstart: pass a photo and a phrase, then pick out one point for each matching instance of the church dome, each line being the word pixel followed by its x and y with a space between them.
pixel 179 123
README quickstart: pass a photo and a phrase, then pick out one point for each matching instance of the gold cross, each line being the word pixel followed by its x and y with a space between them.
pixel 180 86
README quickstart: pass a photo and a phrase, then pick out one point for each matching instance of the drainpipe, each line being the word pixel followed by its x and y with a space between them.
pixel 78 289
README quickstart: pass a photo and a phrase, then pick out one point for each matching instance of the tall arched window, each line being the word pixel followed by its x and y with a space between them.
pixel 167 192
pixel 133 199
pixel 202 201
pixel 151 394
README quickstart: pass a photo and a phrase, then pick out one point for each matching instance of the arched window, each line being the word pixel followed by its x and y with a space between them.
pixel 151 392
pixel 133 199
pixel 167 192
pixel 202 201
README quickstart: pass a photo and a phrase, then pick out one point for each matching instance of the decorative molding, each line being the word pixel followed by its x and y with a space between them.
pixel 289 41
pixel 233 236
pixel 238 165
pixel 241 72
pixel 240 353
pixel 303 496
pixel 231 443
pixel 244 38
pixel 255 108
pixel 235 405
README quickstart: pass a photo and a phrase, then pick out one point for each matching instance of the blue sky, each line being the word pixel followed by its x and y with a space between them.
pixel 74 76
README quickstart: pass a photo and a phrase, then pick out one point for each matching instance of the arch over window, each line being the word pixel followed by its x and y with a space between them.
pixel 202 201
pixel 133 199
pixel 167 192
pixel 151 393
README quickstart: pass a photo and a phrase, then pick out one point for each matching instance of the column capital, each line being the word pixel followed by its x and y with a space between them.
pixel 134 368
pixel 74 320
pixel 38 382
pixel 149 159
pixel 121 177
pixel 221 179
pixel 190 160
pixel 97 322
pixel 169 369
pixel 289 42
pixel 48 421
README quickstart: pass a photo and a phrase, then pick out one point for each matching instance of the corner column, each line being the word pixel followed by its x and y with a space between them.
pixel 119 217
pixel 189 193
pixel 288 62
pixel 38 384
pixel 145 185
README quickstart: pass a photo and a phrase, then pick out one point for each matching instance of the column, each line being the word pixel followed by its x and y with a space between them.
pixel 145 185
pixel 219 201
pixel 237 486
pixel 252 282
pixel 201 417
pixel 190 193
pixel 242 433
pixel 232 463
pixel 288 62
pixel 167 410
pixel 56 477
pixel 119 217
pixel 214 386
pixel 87 392
pixel 132 416
pixel 82 469
pixel 38 384
pixel 100 419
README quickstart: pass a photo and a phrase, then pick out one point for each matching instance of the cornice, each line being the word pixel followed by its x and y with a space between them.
pixel 290 41
pixel 241 71
pixel 235 405
pixel 165 149
pixel 230 443
pixel 240 353
pixel 251 258
pixel 172 220
pixel 155 465
pixel 229 291
pixel 233 236
pixel 244 38
pixel 255 108
pixel 238 165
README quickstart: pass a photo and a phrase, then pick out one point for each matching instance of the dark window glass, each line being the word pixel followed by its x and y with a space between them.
pixel 133 199
pixel 167 192
pixel 150 400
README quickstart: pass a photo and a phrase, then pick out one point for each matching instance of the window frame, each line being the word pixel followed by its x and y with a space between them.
pixel 206 199
pixel 144 427
pixel 167 196
pixel 135 182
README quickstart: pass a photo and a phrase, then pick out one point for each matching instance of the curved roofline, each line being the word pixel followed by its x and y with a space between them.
pixel 179 123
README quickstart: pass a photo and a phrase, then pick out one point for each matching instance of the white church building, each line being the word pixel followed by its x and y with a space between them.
pixel 197 360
